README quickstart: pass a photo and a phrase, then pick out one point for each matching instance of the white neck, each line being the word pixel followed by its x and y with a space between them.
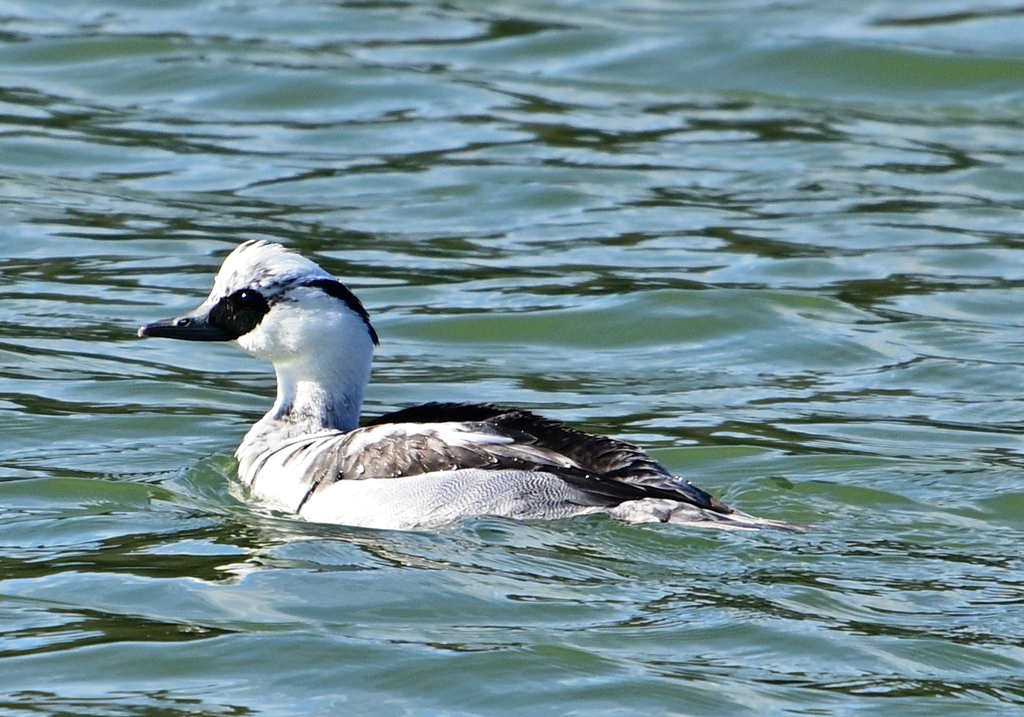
pixel 322 358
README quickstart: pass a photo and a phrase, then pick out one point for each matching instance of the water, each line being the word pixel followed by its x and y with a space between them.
pixel 778 244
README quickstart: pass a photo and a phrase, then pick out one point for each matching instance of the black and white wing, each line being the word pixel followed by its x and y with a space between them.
pixel 453 436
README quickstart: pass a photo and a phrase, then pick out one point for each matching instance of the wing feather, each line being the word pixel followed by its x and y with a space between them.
pixel 448 436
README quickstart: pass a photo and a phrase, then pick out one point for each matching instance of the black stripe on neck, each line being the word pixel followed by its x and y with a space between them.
pixel 333 287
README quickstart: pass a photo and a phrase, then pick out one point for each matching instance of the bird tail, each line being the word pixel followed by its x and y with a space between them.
pixel 663 510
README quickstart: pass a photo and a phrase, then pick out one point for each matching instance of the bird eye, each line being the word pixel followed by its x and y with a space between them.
pixel 240 312
pixel 183 322
pixel 247 298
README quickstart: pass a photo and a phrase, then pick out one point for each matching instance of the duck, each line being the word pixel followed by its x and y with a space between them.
pixel 419 468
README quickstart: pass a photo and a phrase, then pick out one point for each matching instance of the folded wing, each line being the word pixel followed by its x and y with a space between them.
pixel 452 436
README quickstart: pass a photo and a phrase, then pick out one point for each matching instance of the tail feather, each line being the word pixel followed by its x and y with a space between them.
pixel 661 510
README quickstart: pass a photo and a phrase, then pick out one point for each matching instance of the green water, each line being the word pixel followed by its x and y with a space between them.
pixel 778 244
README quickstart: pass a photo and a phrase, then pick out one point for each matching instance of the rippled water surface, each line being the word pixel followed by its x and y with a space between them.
pixel 779 244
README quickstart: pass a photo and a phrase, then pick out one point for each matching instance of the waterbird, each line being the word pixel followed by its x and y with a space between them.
pixel 423 467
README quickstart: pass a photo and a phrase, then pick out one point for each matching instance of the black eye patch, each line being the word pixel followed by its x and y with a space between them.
pixel 239 313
